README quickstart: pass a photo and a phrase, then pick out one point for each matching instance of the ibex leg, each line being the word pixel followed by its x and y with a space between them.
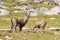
pixel 12 27
pixel 15 28
pixel 20 28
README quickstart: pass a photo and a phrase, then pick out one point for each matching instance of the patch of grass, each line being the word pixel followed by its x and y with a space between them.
pixel 7 0
pixel 12 9
pixel 41 5
pixel 14 4
pixel 4 23
pixel 12 14
pixel 24 35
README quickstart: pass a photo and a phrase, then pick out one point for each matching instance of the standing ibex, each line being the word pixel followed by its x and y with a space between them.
pixel 19 22
pixel 40 24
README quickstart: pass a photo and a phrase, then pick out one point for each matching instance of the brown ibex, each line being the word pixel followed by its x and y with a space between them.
pixel 40 24
pixel 20 22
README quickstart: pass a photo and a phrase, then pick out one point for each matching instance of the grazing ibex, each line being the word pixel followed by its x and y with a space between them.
pixel 20 22
pixel 40 24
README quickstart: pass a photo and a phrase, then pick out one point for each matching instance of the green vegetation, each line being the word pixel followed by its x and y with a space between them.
pixel 14 4
pixel 41 5
pixel 49 35
pixel 19 14
pixel 12 9
pixel 7 0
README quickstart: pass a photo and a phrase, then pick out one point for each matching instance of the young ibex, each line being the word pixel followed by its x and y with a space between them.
pixel 40 24
pixel 20 22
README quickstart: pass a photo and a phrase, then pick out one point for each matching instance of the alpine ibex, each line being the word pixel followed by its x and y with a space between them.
pixel 20 22
pixel 40 24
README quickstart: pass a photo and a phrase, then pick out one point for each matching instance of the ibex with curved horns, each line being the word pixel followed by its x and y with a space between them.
pixel 40 24
pixel 20 22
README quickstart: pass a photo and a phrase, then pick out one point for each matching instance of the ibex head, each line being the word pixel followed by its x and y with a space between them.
pixel 28 14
